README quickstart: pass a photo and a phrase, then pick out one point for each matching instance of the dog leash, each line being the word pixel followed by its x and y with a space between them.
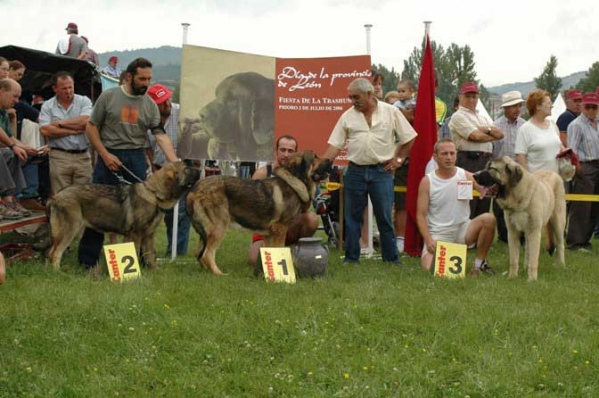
pixel 122 180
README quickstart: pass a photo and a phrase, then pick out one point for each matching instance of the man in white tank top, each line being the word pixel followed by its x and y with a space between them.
pixel 442 216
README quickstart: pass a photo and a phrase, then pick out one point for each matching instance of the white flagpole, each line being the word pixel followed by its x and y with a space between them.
pixel 369 218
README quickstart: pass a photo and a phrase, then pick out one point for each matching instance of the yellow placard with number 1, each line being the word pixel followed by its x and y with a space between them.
pixel 450 260
pixel 277 264
pixel 122 261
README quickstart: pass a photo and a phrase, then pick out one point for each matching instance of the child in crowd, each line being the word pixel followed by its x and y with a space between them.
pixel 405 90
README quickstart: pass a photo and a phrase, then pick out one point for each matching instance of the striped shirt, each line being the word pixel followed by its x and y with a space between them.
pixel 583 138
pixel 506 145
pixel 171 127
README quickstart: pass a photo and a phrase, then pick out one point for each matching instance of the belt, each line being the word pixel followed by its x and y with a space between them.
pixel 69 150
pixel 594 161
pixel 477 153
pixel 368 165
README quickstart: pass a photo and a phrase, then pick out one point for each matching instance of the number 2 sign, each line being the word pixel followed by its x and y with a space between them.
pixel 122 261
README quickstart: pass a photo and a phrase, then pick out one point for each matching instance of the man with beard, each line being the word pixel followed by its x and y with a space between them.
pixel 117 131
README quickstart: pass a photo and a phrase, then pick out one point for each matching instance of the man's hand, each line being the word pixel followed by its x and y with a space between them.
pixel 29 150
pixel 20 152
pixel 12 114
pixel 112 162
pixel 431 245
pixel 393 164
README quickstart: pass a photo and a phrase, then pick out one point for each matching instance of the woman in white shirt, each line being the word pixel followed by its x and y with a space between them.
pixel 538 141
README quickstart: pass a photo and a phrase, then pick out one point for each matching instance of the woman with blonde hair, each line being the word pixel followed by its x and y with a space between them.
pixel 538 141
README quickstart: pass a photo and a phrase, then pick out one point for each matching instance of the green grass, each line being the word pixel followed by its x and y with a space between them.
pixel 372 330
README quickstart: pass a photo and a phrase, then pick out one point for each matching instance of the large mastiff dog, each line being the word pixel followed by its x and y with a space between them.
pixel 134 211
pixel 266 206
pixel 530 202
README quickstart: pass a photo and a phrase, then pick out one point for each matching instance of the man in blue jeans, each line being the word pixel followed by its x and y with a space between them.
pixel 117 131
pixel 378 138
pixel 169 118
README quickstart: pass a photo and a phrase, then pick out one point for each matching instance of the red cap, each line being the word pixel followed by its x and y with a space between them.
pixel 574 95
pixel 590 99
pixel 113 58
pixel 469 87
pixel 159 93
pixel 72 25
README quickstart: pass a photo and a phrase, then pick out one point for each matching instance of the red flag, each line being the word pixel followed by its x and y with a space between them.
pixel 425 124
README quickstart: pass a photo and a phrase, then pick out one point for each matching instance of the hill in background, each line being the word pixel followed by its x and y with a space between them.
pixel 167 68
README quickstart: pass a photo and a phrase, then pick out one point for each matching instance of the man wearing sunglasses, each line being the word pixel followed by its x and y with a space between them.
pixel 583 138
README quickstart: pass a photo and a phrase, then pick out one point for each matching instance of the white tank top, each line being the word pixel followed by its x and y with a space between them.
pixel 445 211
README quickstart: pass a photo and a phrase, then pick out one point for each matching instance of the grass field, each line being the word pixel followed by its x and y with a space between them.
pixel 372 330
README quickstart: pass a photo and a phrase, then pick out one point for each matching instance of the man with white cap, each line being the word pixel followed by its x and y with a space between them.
pixel 473 134
pixel 509 123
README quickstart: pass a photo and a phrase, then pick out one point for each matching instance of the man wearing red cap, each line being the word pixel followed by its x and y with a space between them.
pixel 573 106
pixel 473 134
pixel 111 69
pixel 169 118
pixel 583 138
pixel 72 46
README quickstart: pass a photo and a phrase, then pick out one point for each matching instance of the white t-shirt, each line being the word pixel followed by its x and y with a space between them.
pixel 539 146
pixel 445 212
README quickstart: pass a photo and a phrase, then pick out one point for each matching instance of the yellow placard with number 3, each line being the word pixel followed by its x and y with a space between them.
pixel 450 260
pixel 277 264
pixel 122 262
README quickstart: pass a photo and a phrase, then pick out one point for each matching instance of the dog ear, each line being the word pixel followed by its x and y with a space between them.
pixel 515 174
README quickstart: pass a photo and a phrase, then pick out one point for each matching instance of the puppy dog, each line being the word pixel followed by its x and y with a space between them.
pixel 530 202
pixel 134 211
pixel 266 206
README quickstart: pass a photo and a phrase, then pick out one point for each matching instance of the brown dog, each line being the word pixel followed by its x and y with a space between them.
pixel 134 211
pixel 266 206
pixel 530 202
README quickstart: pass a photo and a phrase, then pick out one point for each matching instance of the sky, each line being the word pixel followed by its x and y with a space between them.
pixel 512 40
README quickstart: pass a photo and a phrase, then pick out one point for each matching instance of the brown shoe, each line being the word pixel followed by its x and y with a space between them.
pixel 32 204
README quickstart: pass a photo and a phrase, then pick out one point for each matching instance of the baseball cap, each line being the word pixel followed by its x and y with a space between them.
pixel 72 25
pixel 113 58
pixel 590 99
pixel 159 93
pixel 469 87
pixel 574 94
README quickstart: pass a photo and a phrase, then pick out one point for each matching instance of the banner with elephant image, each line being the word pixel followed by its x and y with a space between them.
pixel 235 105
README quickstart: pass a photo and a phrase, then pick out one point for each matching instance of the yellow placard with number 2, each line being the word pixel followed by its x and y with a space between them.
pixel 122 262
pixel 450 260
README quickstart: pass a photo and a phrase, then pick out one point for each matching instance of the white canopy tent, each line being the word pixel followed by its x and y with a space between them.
pixel 559 107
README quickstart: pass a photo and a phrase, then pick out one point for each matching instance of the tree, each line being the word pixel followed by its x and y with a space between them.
pixel 591 80
pixel 453 67
pixel 548 80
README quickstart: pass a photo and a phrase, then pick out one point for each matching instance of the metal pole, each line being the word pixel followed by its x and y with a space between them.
pixel 175 232
pixel 369 221
pixel 368 27
pixel 427 27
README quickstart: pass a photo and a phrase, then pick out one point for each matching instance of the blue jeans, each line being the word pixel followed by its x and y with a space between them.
pixel 90 247
pixel 360 182
pixel 30 172
pixel 182 231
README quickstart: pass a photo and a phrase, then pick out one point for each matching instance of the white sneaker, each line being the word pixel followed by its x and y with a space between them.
pixel 400 243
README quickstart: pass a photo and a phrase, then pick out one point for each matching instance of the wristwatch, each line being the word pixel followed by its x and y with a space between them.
pixel 489 130
pixel 11 146
pixel 400 161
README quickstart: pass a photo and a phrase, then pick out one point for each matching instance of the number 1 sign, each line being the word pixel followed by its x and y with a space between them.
pixel 277 264
pixel 122 262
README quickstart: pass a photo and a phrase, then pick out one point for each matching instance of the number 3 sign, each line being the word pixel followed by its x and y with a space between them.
pixel 122 261
pixel 450 260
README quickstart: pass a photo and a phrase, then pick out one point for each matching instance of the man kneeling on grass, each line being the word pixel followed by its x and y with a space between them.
pixel 442 216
